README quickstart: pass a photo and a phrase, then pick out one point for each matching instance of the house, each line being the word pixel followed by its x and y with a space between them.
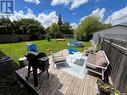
pixel 118 32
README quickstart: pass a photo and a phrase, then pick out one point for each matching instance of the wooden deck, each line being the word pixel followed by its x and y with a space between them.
pixel 60 83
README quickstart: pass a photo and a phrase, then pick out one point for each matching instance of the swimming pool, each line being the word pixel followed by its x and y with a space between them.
pixel 75 43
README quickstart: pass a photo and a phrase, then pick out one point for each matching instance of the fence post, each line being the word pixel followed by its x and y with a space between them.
pixel 110 46
pixel 102 43
pixel 99 40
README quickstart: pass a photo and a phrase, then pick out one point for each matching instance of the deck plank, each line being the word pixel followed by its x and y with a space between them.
pixel 72 85
pixel 80 91
pixel 75 89
pixel 53 87
pixel 86 86
pixel 67 84
pixel 45 84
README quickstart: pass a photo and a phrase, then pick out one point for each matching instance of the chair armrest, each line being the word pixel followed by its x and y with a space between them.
pixel 96 66
pixel 58 55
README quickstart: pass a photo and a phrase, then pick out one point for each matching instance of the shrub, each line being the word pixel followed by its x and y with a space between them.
pixel 34 37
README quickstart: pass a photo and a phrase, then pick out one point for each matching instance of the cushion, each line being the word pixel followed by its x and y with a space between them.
pixel 99 54
pixel 100 51
pixel 91 60
pixel 101 61
pixel 59 59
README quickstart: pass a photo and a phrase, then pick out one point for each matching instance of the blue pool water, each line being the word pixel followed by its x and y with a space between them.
pixel 75 43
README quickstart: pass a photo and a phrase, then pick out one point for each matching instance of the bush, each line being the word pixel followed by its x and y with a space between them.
pixel 48 37
pixel 34 37
pixel 87 38
pixel 20 39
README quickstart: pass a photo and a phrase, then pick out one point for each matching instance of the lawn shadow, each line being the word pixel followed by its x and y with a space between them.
pixel 7 65
pixel 9 85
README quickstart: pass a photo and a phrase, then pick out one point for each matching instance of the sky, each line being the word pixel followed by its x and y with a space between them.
pixel 72 11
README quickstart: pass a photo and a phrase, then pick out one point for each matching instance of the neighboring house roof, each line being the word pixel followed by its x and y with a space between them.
pixel 117 29
pixel 114 32
pixel 123 24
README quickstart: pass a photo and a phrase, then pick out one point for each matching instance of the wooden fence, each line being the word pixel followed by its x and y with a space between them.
pixel 116 51
pixel 25 37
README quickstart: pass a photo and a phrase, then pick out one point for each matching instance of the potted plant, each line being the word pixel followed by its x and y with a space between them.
pixel 50 51
pixel 106 88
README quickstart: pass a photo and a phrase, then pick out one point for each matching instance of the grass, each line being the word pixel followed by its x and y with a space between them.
pixel 17 50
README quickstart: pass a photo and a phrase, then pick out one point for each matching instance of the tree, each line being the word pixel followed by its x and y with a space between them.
pixel 60 22
pixel 54 30
pixel 66 28
pixel 29 26
pixel 23 26
pixel 88 26
pixel 5 26
pixel 59 28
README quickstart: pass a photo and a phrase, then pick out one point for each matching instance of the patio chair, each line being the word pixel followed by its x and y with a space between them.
pixel 97 63
pixel 91 50
pixel 58 59
pixel 32 47
pixel 71 50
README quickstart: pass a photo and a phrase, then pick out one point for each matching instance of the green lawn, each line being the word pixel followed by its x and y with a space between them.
pixel 17 50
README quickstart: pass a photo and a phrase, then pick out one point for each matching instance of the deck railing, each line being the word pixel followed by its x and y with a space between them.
pixel 117 53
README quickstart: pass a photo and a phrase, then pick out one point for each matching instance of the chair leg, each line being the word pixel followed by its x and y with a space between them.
pixel 47 73
pixel 28 71
pixel 35 76
pixel 54 66
pixel 28 74
pixel 102 74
